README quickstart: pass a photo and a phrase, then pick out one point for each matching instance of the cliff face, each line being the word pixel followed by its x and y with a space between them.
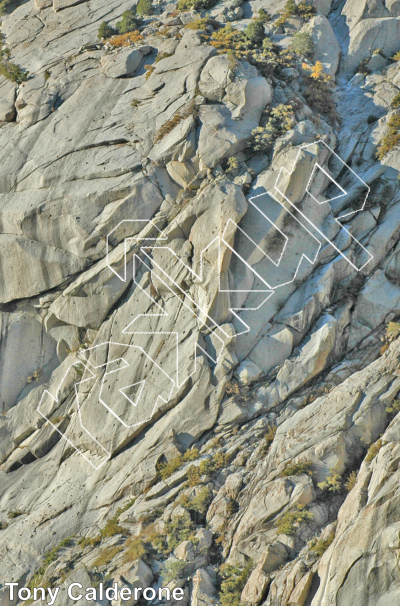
pixel 199 282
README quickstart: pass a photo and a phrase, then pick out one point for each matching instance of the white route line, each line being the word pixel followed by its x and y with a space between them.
pixel 229 230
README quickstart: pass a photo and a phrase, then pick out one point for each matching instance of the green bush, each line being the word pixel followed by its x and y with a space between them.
pixel 351 481
pixel 13 72
pixel 280 120
pixel 297 469
pixel 145 7
pixel 179 529
pixel 199 503
pixel 255 31
pixel 173 570
pixel 321 545
pixel 263 16
pixel 391 138
pixel 185 5
pixel 129 22
pixel 291 9
pixel 105 31
pixel 167 469
pixel 333 482
pixel 373 450
pixel 232 581
pixel 291 520
pixel 303 45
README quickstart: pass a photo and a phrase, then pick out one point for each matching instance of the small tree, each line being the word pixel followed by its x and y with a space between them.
pixel 264 15
pixel 291 7
pixel 128 22
pixel 255 31
pixel 145 7
pixel 105 31
pixel 303 45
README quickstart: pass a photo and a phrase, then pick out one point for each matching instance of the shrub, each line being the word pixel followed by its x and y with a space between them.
pixel 373 450
pixel 291 9
pixel 232 164
pixel 199 503
pixel 391 139
pixel 194 475
pixel 128 23
pixel 303 45
pixel 111 528
pixel 392 331
pixel 291 520
pixel 232 507
pixel 105 31
pixel 14 513
pixel 318 93
pixel 264 16
pixel 280 120
pixel 182 114
pixel 232 581
pixel 145 7
pixel 162 56
pixel 179 529
pixel 351 480
pixel 255 31
pixel 229 38
pixel 107 555
pixel 213 464
pixel 167 469
pixel 319 547
pixel 13 72
pixel 297 469
pixel 134 549
pixel 269 438
pixel 395 101
pixel 173 570
pixel 394 408
pixel 396 57
pixel 185 5
pixel 306 11
pixel 126 39
pixel 199 23
pixel 89 542
pixel 333 482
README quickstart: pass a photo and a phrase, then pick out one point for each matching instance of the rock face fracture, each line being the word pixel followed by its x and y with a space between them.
pixel 199 295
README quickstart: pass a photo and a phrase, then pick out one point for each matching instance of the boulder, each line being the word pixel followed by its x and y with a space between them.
pixel 384 33
pixel 311 361
pixel 226 128
pixel 273 558
pixel 121 64
pixel 247 372
pixel 181 172
pixel 215 77
pixel 203 591
pixel 327 47
pixel 256 588
pixel 377 62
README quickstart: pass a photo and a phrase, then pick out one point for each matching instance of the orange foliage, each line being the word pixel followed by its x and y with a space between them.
pixel 316 71
pixel 126 39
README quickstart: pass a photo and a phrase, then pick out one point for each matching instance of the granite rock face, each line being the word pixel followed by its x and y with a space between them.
pixel 199 288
